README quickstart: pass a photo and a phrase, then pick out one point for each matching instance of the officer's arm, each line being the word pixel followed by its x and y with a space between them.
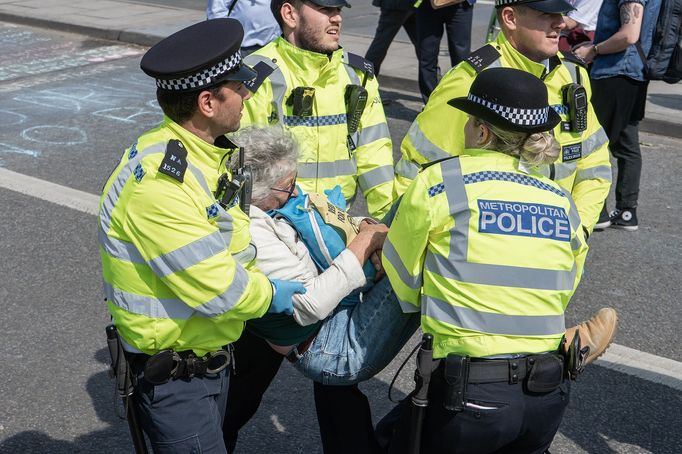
pixel 580 248
pixel 405 247
pixel 374 154
pixel 438 131
pixel 189 256
pixel 593 171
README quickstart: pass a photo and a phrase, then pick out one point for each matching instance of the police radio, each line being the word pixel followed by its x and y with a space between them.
pixel 356 100
pixel 239 186
pixel 575 97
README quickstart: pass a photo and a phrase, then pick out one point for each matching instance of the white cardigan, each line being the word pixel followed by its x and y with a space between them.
pixel 281 255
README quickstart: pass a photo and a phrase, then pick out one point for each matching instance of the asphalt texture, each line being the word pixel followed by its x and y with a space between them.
pixel 70 122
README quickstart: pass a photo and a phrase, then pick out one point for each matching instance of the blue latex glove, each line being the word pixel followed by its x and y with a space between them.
pixel 335 196
pixel 282 293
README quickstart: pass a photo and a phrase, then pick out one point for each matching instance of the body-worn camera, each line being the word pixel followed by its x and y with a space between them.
pixel 301 100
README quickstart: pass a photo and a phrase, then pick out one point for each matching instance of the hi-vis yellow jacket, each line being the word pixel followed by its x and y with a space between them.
pixel 326 159
pixel 490 254
pixel 167 248
pixel 583 167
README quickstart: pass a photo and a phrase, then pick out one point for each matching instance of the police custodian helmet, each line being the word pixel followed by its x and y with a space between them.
pixel 510 99
pixel 198 57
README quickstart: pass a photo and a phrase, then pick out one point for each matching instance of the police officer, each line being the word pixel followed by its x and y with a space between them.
pixel 529 42
pixel 328 99
pixel 174 290
pixel 494 255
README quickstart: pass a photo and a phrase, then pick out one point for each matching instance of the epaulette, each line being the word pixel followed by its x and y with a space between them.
pixel 437 161
pixel 481 58
pixel 573 58
pixel 361 64
pixel 174 163
pixel 263 70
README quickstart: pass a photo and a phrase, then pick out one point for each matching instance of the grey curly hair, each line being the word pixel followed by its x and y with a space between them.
pixel 272 154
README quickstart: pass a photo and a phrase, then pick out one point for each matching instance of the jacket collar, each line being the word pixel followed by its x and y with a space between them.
pixel 208 155
pixel 517 60
pixel 302 61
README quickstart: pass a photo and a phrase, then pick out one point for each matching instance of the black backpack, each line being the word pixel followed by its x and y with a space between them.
pixel 665 57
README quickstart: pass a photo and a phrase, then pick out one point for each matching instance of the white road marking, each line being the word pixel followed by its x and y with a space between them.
pixel 51 192
pixel 619 358
pixel 643 365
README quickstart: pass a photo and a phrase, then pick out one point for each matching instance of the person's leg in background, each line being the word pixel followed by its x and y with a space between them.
pixel 615 99
pixel 345 420
pixel 390 21
pixel 255 366
pixel 458 19
pixel 429 35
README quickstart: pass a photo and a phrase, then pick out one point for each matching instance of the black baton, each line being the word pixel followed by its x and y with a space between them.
pixel 120 369
pixel 420 399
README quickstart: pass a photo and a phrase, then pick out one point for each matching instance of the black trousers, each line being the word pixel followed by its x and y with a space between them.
pixel 619 104
pixel 343 412
pixel 390 21
pixel 500 418
pixel 456 20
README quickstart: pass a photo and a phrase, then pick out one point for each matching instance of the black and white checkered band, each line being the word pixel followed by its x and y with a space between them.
pixel 524 117
pixel 506 2
pixel 202 78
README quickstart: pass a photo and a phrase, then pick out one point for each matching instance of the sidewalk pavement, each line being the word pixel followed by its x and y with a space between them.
pixel 146 22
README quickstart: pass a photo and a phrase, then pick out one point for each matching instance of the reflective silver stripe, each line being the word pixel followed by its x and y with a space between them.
pixel 176 308
pixel 343 167
pixel 389 252
pixel 593 173
pixel 575 242
pixel 112 196
pixel 487 322
pixel 352 75
pixel 562 170
pixel 423 145
pixel 148 305
pixel 407 308
pixel 225 301
pixel 375 177
pixel 371 134
pixel 594 142
pixel 188 255
pixel 201 179
pixel 121 250
pixel 500 275
pixel 277 82
pixel 458 204
pixel 247 255
pixel 572 70
pixel 407 169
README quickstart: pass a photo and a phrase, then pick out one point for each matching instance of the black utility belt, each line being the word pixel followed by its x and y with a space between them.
pixel 168 364
pixel 539 373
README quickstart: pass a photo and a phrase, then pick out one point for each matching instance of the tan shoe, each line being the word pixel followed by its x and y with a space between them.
pixel 596 333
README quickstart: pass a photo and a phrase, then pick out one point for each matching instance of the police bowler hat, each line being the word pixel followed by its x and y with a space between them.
pixel 198 57
pixel 546 6
pixel 510 99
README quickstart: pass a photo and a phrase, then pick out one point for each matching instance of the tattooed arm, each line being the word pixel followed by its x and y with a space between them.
pixel 630 25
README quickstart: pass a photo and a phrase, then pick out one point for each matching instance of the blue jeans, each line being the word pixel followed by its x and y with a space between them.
pixel 357 342
pixel 184 415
